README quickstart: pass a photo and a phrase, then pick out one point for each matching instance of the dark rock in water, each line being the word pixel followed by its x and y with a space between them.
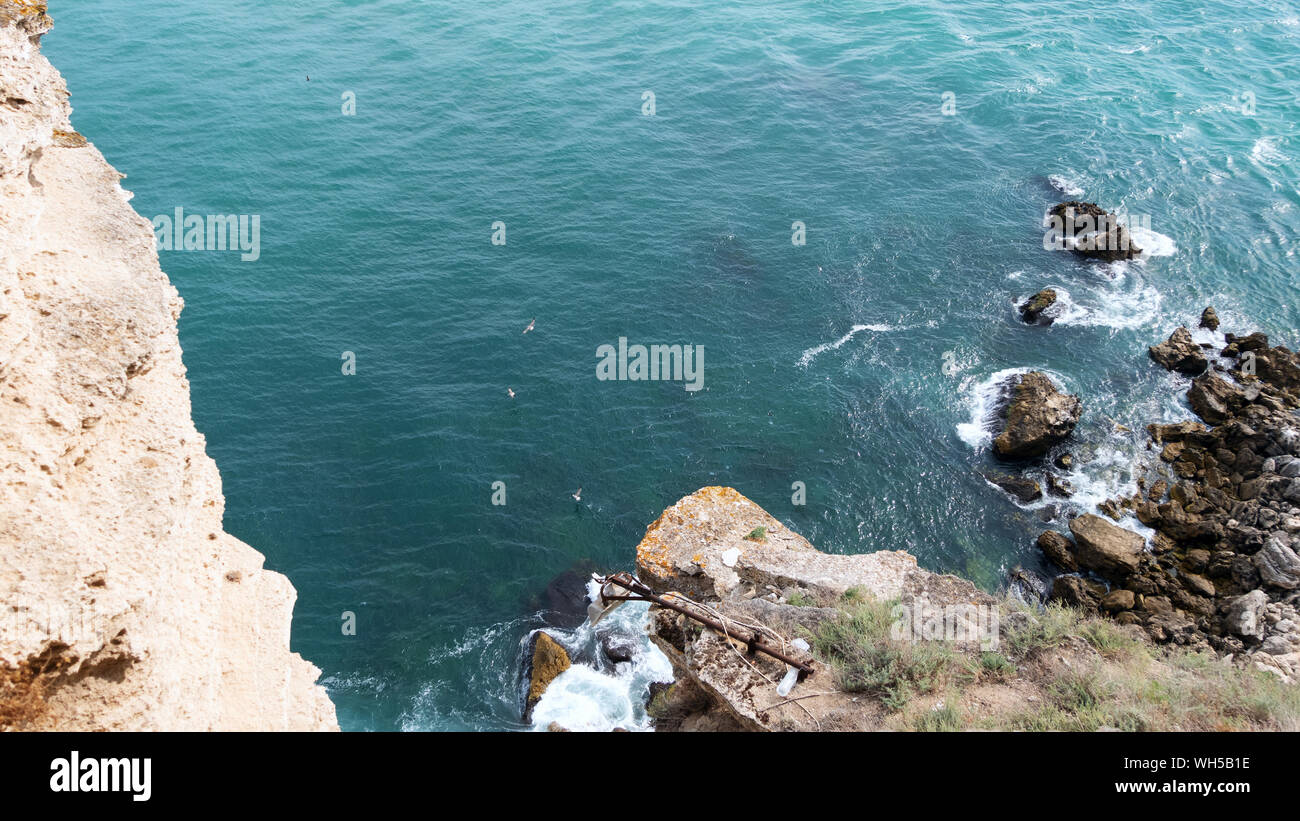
pixel 619 647
pixel 566 600
pixel 1210 319
pixel 1032 309
pixel 1091 231
pixel 1238 345
pixel 1106 548
pixel 1037 417
pixel 1064 460
pixel 1180 353
pixel 1024 489
pixel 1058 548
pixel 544 661
pixel 1280 368
pixel 1059 487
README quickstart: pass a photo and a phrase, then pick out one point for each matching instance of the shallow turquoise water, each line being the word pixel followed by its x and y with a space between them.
pixel 373 492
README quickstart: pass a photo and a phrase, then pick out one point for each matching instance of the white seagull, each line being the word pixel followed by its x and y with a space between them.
pixel 577 497
pixel 511 392
pixel 530 325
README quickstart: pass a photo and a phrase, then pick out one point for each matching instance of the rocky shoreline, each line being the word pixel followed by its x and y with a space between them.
pixel 1222 496
pixel 1216 571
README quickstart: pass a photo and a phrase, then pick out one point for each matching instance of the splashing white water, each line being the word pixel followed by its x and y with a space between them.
pixel 983 402
pixel 1070 185
pixel 1109 307
pixel 583 698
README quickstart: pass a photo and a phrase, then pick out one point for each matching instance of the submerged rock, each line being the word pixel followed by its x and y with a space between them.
pixel 1091 231
pixel 1180 353
pixel 1032 309
pixel 1037 417
pixel 566 600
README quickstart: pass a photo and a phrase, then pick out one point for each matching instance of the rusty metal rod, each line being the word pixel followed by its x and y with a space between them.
pixel 752 639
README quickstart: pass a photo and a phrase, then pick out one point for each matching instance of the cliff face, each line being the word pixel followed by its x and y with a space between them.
pixel 123 605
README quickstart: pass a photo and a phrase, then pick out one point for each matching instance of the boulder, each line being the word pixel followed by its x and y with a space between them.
pixel 1245 614
pixel 1037 417
pixel 1214 398
pixel 619 647
pixel 1058 548
pixel 1180 353
pixel 1078 591
pixel 1118 600
pixel 1280 368
pixel 1278 564
pixel 1104 547
pixel 1021 487
pixel 1176 432
pixel 1210 319
pixel 546 660
pixel 1091 231
pixel 1031 310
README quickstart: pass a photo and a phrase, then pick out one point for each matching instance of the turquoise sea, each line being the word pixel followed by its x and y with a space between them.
pixel 919 142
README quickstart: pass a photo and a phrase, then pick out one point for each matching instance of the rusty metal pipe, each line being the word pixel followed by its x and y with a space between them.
pixel 751 639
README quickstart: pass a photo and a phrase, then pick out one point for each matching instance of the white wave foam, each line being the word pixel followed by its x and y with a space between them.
pixel 1266 152
pixel 812 353
pixel 1071 186
pixel 1109 307
pixel 1153 243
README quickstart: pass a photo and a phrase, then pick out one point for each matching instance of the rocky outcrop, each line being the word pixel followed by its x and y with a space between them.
pixel 1180 353
pixel 1091 231
pixel 699 547
pixel 1223 499
pixel 1031 310
pixel 546 660
pixel 1037 417
pixel 126 605
pixel 1209 319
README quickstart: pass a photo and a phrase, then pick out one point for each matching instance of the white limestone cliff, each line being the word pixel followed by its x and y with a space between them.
pixel 123 604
